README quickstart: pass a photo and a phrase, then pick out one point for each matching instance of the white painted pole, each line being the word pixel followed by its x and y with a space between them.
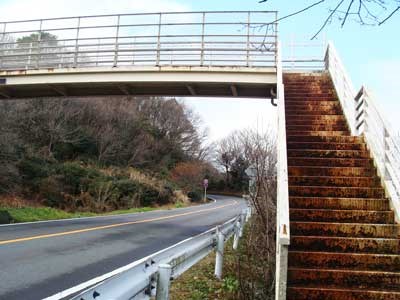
pixel 219 259
pixel 163 282
pixel 236 236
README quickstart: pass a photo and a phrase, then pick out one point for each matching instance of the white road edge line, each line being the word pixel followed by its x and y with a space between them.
pixel 97 280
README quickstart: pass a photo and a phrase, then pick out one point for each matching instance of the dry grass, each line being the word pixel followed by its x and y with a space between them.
pixel 13 201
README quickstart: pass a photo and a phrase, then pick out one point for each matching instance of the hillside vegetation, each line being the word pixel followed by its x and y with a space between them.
pixel 99 155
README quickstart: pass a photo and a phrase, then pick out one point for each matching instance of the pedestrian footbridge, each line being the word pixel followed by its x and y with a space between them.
pixel 224 54
pixel 338 171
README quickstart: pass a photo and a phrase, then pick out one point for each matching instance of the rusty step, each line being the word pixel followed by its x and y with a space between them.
pixel 324 139
pixel 307 112
pixel 322 293
pixel 326 146
pixel 313 105
pixel 316 127
pixel 345 278
pixel 315 122
pixel 334 191
pixel 323 118
pixel 326 162
pixel 320 133
pixel 331 171
pixel 344 229
pixel 318 153
pixel 334 181
pixel 345 216
pixel 314 98
pixel 354 261
pixel 339 203
pixel 344 244
pixel 290 94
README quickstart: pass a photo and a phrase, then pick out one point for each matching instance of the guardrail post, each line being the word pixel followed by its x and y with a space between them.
pixel 236 236
pixel 219 259
pixel 242 220
pixel 248 213
pixel 163 282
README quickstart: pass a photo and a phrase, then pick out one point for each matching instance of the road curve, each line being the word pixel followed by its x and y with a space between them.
pixel 42 258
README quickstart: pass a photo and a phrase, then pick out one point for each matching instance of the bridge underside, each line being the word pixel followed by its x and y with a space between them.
pixel 242 82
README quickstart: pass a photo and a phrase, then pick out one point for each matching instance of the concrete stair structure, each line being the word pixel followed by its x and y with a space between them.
pixel 345 243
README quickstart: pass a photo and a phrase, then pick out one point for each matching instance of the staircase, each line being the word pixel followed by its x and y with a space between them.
pixel 344 240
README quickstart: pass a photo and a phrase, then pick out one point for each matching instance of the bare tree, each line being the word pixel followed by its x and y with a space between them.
pixel 365 12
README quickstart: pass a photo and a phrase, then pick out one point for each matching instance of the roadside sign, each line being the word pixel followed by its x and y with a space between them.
pixel 205 183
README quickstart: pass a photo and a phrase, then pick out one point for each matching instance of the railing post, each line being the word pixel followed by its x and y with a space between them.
pixel 242 219
pixel 163 281
pixel 77 43
pixel 202 39
pixel 219 258
pixel 29 56
pixel 116 43
pixel 236 236
pixel 248 41
pixel 159 41
pixel 386 146
pixel 39 40
pixel 3 38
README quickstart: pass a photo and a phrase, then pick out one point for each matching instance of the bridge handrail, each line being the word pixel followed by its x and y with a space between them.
pixel 201 38
pixel 343 84
pixel 366 118
pixel 141 279
pixel 382 142
pixel 283 222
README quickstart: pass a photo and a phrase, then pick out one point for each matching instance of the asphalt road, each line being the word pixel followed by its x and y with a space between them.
pixel 40 259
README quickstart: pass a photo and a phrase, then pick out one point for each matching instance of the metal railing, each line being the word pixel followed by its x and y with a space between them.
pixel 384 146
pixel 301 54
pixel 343 85
pixel 204 38
pixel 151 276
pixel 283 222
pixel 366 118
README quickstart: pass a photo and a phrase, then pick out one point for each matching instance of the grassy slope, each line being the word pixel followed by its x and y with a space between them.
pixel 31 214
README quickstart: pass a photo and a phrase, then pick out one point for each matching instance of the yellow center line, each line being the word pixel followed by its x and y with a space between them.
pixel 44 236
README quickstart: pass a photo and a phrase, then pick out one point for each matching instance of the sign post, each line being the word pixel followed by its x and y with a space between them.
pixel 205 185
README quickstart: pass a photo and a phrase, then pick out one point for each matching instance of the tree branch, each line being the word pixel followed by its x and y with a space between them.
pixel 347 12
pixel 328 19
pixel 389 16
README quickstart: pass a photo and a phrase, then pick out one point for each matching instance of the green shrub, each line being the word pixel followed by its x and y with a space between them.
pixel 32 168
pixel 195 195
pixel 5 217
pixel 51 189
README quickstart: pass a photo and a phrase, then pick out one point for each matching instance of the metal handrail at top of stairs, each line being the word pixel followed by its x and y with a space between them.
pixel 365 118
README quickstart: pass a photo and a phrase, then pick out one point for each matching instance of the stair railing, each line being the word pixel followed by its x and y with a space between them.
pixel 282 214
pixel 343 85
pixel 382 143
pixel 366 118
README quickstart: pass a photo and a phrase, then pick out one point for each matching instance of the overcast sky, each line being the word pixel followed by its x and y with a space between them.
pixel 371 54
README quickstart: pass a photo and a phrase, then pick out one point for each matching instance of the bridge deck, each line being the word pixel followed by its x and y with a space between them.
pixel 139 80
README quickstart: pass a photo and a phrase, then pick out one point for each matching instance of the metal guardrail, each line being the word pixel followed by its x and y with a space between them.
pixel 283 222
pixel 204 38
pixel 366 118
pixel 151 275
